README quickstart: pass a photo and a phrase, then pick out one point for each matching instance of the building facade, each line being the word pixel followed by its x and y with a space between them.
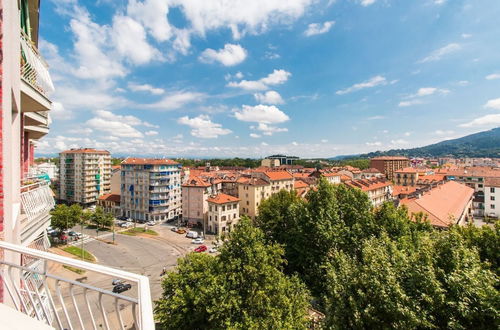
pixel 195 193
pixel 84 175
pixel 388 165
pixel 379 190
pixel 223 214
pixel 110 203
pixel 150 189
pixel 492 197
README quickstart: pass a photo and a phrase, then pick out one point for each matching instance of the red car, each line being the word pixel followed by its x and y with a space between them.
pixel 201 248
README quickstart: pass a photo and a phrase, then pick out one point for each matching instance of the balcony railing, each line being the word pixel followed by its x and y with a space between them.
pixel 36 288
pixel 34 69
pixel 37 201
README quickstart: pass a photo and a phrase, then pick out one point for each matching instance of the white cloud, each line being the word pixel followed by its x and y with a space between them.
pixel 255 136
pixel 439 53
pixel 150 133
pixel 425 91
pixel 366 3
pixel 202 127
pixel 145 88
pixel 318 28
pixel 466 35
pixel 130 41
pixel 132 120
pixel 374 144
pixel 177 100
pixel 269 97
pixel 493 76
pixel 407 134
pixel 463 83
pixel 443 132
pixel 375 117
pixel 228 56
pixel 264 144
pixel 295 143
pixel 493 104
pixel 324 141
pixel 115 125
pixel 277 77
pixel 153 15
pixel 399 142
pixel 267 114
pixel 59 112
pixel 409 103
pixel 373 82
pixel 484 121
pixel 269 129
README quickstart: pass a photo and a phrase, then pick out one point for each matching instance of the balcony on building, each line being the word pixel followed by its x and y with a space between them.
pixel 37 200
pixel 37 295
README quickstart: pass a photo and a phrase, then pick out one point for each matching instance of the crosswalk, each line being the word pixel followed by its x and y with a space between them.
pixel 88 239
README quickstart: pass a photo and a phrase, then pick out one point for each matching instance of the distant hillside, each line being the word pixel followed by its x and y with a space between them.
pixel 482 144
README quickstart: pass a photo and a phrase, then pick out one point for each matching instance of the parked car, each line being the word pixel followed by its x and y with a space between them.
pixel 213 249
pixel 122 218
pixel 119 288
pixel 75 234
pixel 150 223
pixel 126 225
pixel 192 234
pixel 181 231
pixel 198 240
pixel 174 229
pixel 201 248
pixel 117 281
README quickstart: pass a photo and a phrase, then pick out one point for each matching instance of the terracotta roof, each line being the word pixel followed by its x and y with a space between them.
pixel 475 171
pixel 492 182
pixel 443 205
pixel 195 181
pixel 407 170
pixel 278 175
pixel 345 178
pixel 397 190
pixel 299 184
pixel 389 158
pixel 370 170
pixel 369 184
pixel 252 181
pixel 110 198
pixel 300 175
pixel 148 161
pixel 223 199
pixel 431 178
pixel 86 151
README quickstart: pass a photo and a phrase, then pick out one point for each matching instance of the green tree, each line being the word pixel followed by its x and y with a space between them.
pixel 101 218
pixel 65 217
pixel 242 288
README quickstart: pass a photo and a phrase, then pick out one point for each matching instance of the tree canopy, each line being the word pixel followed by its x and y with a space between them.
pixel 242 288
pixel 64 216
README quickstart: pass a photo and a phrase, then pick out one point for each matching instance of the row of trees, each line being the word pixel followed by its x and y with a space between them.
pixel 65 217
pixel 362 268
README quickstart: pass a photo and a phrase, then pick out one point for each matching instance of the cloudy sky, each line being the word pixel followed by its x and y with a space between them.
pixel 312 78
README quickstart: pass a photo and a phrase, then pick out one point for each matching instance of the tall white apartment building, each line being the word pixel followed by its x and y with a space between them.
pixel 84 175
pixel 150 189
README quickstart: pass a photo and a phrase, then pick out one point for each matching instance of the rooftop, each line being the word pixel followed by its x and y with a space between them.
pixel 369 184
pixel 223 199
pixel 86 151
pixel 148 161
pixel 492 182
pixel 390 158
pixel 195 181
pixel 110 198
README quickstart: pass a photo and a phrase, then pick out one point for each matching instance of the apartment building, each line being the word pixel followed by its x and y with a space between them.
pixel 379 190
pixel 150 189
pixel 388 165
pixel 409 176
pixel 195 193
pixel 223 213
pixel 492 197
pixel 475 177
pixel 252 190
pixel 110 204
pixel 447 204
pixel 84 175
pixel 330 175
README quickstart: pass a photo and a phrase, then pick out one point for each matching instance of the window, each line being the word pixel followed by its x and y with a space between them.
pixel 492 198
pixel 480 185
pixel 248 203
pixel 492 189
pixel 492 206
pixel 223 208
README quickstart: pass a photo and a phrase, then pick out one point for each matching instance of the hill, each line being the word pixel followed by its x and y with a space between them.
pixel 482 144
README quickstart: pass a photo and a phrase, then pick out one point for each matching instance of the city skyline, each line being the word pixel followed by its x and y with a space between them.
pixel 308 78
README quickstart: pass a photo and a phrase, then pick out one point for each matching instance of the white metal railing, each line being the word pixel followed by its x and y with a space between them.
pixel 36 202
pixel 34 69
pixel 43 294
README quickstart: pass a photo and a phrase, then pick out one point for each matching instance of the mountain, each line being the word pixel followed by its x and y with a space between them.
pixel 482 144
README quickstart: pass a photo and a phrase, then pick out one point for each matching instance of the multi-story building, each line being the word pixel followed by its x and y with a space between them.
pixel 409 176
pixel 223 213
pixel 283 160
pixel 492 197
pixel 331 176
pixel 379 190
pixel 388 165
pixel 84 175
pixel 259 186
pixel 195 193
pixel 110 204
pixel 150 189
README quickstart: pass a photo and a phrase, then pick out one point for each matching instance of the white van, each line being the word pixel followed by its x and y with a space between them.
pixel 192 234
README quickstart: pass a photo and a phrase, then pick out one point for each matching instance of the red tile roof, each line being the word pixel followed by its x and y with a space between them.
pixel 195 181
pixel 443 205
pixel 86 151
pixel 397 190
pixel 299 184
pixel 492 182
pixel 252 181
pixel 278 175
pixel 369 184
pixel 370 170
pixel 223 199
pixel 389 158
pixel 110 198
pixel 148 161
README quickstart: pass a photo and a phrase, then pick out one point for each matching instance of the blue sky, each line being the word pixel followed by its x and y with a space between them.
pixel 250 78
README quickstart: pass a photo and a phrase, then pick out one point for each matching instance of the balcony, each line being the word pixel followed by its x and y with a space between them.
pixel 36 202
pixel 36 82
pixel 35 286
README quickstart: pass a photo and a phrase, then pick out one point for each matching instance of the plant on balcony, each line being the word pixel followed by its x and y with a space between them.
pixel 242 288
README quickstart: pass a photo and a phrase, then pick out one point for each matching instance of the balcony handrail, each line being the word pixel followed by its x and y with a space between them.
pixel 34 69
pixel 143 316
